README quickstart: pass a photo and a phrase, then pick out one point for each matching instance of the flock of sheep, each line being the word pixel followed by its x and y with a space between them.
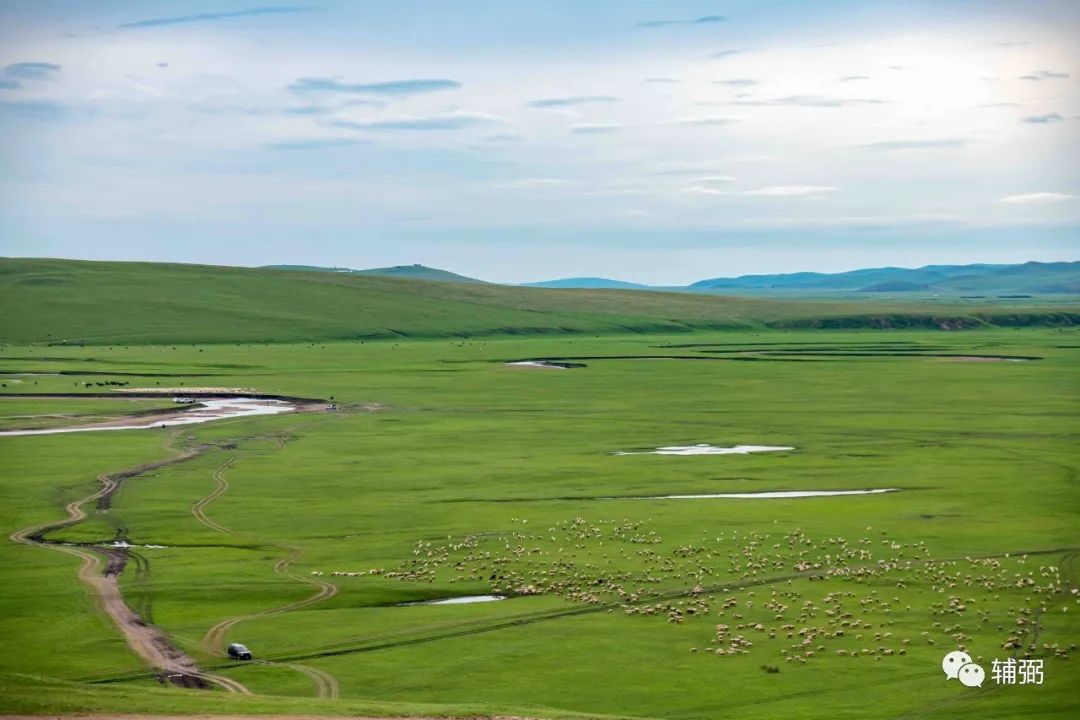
pixel 745 584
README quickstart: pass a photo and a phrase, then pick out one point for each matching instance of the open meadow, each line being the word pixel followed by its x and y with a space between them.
pixel 319 538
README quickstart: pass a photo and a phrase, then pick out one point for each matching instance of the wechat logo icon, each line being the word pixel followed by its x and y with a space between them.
pixel 958 666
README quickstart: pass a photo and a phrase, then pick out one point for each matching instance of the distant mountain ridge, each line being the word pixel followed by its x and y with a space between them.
pixel 1026 278
pixel 588 283
pixel 412 272
pixel 1031 278
pixel 979 279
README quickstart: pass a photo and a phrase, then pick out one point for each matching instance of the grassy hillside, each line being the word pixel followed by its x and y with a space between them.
pixel 74 301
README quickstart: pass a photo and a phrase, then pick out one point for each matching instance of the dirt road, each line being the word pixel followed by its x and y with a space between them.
pixel 148 642
pixel 199 508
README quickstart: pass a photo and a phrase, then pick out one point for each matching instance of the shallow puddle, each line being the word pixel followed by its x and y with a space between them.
pixel 769 495
pixel 209 409
pixel 706 449
pixel 536 364
pixel 466 600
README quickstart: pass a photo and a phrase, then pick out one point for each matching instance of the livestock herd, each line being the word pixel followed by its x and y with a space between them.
pixel 871 597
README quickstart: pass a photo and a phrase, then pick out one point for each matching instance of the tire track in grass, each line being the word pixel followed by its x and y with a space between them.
pixel 199 508
pixel 149 643
pixel 326 685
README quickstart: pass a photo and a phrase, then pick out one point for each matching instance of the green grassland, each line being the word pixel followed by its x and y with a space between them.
pixel 102 303
pixel 448 473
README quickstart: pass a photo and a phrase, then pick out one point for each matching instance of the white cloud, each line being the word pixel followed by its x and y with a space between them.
pixel 770 191
pixel 716 179
pixel 702 120
pixel 702 190
pixel 1040 198
pixel 529 183
pixel 791 190
pixel 589 128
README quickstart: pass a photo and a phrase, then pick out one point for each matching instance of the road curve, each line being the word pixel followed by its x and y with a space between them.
pixel 199 508
pixel 326 685
pixel 148 642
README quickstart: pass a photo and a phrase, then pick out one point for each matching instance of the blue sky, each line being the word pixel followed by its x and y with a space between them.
pixel 658 142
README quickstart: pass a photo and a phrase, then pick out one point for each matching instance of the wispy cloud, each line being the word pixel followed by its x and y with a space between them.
pixel 716 179
pixel 1039 198
pixel 891 145
pixel 330 109
pixel 855 222
pixel 211 17
pixel 853 78
pixel 394 87
pixel 32 70
pixel 504 138
pixel 537 183
pixel 736 82
pixel 704 20
pixel 1042 119
pixel 33 109
pixel 668 80
pixel 313 144
pixel 702 120
pixel 572 100
pixel 1045 75
pixel 595 128
pixel 442 121
pixel 820 101
pixel 791 190
pixel 720 54
pixel 9 84
pixel 692 167
pixel 769 191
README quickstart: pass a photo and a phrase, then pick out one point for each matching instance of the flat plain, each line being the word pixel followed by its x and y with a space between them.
pixel 317 537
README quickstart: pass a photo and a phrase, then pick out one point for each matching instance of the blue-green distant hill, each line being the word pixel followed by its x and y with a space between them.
pixel 588 283
pixel 409 272
pixel 1033 278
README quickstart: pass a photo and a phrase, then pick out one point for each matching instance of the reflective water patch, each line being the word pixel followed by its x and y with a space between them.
pixel 706 449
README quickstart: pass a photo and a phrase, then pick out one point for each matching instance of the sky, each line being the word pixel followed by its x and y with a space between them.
pixel 656 142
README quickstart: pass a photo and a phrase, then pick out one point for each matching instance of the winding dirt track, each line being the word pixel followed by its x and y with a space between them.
pixel 149 643
pixel 146 641
pixel 199 508
pixel 326 685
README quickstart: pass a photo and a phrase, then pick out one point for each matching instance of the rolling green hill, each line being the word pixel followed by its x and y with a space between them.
pixel 72 301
